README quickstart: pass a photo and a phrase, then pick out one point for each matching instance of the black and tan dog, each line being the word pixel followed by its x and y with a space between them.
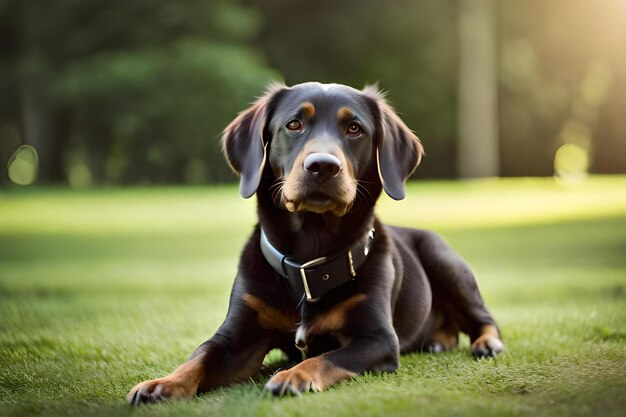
pixel 321 278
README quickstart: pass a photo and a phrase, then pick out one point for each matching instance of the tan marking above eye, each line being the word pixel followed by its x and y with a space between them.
pixel 344 114
pixel 308 109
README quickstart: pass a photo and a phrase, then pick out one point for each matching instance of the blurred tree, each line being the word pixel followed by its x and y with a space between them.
pixel 112 90
pixel 478 89
pixel 138 91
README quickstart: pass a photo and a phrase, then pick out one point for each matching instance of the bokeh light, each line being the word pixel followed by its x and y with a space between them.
pixel 571 163
pixel 23 165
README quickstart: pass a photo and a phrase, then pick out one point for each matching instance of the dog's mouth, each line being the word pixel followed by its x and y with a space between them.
pixel 317 202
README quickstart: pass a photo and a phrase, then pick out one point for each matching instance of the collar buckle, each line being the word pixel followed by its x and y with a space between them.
pixel 305 282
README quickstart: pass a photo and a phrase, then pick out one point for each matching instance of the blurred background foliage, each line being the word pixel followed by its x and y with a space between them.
pixel 119 92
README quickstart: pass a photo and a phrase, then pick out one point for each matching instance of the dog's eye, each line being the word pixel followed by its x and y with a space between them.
pixel 294 125
pixel 354 130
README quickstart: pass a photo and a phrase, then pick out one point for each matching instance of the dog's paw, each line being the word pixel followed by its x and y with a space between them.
pixel 158 390
pixel 435 347
pixel 293 381
pixel 487 346
pixel 443 341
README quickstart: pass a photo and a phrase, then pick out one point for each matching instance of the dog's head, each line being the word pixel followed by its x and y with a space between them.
pixel 320 140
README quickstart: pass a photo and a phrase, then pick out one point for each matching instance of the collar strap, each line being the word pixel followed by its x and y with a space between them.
pixel 320 275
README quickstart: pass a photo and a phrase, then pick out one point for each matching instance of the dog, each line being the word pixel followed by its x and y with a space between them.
pixel 320 277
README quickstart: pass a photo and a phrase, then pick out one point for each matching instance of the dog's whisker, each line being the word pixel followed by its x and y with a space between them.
pixel 359 195
pixel 279 183
pixel 276 194
pixel 277 189
pixel 362 190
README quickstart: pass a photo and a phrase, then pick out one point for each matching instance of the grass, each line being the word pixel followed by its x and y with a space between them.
pixel 103 288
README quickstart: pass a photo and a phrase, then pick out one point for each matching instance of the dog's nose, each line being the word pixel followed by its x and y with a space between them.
pixel 322 164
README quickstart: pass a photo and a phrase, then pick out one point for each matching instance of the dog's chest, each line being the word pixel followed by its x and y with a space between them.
pixel 320 331
pixel 313 344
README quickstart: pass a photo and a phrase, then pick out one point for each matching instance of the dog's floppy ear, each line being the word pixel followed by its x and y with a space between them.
pixel 244 144
pixel 398 150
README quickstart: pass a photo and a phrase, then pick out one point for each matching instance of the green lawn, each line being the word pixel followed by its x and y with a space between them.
pixel 101 289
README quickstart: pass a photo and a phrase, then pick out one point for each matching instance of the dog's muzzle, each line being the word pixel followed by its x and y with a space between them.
pixel 319 184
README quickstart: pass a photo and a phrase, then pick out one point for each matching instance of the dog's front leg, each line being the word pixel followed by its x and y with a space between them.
pixel 377 352
pixel 234 353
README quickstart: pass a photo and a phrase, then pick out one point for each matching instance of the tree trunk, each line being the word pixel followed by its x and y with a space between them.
pixel 44 124
pixel 478 150
pixel 45 129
